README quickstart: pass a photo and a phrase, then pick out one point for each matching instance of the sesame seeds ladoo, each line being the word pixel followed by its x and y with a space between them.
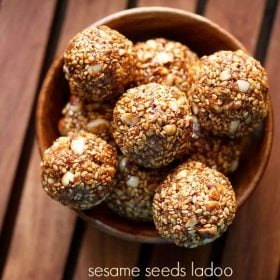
pixel 163 61
pixel 152 124
pixel 134 190
pixel 219 153
pixel 229 93
pixel 94 117
pixel 194 205
pixel 78 170
pixel 98 63
pixel 172 106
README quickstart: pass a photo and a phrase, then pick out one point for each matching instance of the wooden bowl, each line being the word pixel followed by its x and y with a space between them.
pixel 202 36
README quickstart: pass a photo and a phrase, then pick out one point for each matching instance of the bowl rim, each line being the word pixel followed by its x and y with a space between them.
pixel 163 10
pixel 268 122
pixel 121 234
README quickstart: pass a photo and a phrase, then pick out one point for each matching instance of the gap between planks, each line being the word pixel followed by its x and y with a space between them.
pixel 20 67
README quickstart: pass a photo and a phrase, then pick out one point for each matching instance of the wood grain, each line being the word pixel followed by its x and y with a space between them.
pixel 170 255
pixel 22 48
pixel 82 13
pixel 102 250
pixel 179 4
pixel 42 232
pixel 235 17
pixel 253 247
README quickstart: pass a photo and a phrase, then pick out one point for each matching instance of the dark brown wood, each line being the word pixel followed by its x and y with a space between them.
pixel 81 13
pixel 149 22
pixel 234 16
pixel 102 250
pixel 169 256
pixel 253 246
pixel 42 232
pixel 22 48
pixel 137 25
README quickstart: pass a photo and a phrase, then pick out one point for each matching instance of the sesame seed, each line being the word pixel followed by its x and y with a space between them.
pixel 79 180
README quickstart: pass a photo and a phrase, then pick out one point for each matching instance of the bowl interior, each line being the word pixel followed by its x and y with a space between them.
pixel 201 36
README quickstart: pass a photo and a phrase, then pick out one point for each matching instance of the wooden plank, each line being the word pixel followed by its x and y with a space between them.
pixel 44 228
pixel 179 4
pixel 253 247
pixel 169 255
pixel 42 232
pixel 22 46
pixel 236 18
pixel 102 250
pixel 82 13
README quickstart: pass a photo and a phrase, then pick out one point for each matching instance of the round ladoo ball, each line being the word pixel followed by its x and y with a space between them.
pixel 164 62
pixel 99 63
pixel 78 170
pixel 94 117
pixel 133 193
pixel 220 153
pixel 194 205
pixel 229 93
pixel 152 124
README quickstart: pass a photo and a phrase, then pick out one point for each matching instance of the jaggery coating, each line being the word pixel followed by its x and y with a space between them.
pixel 221 153
pixel 229 93
pixel 93 117
pixel 194 205
pixel 217 153
pixel 78 170
pixel 99 63
pixel 152 124
pixel 133 193
pixel 163 61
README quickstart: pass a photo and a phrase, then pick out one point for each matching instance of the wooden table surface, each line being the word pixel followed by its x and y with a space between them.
pixel 40 239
